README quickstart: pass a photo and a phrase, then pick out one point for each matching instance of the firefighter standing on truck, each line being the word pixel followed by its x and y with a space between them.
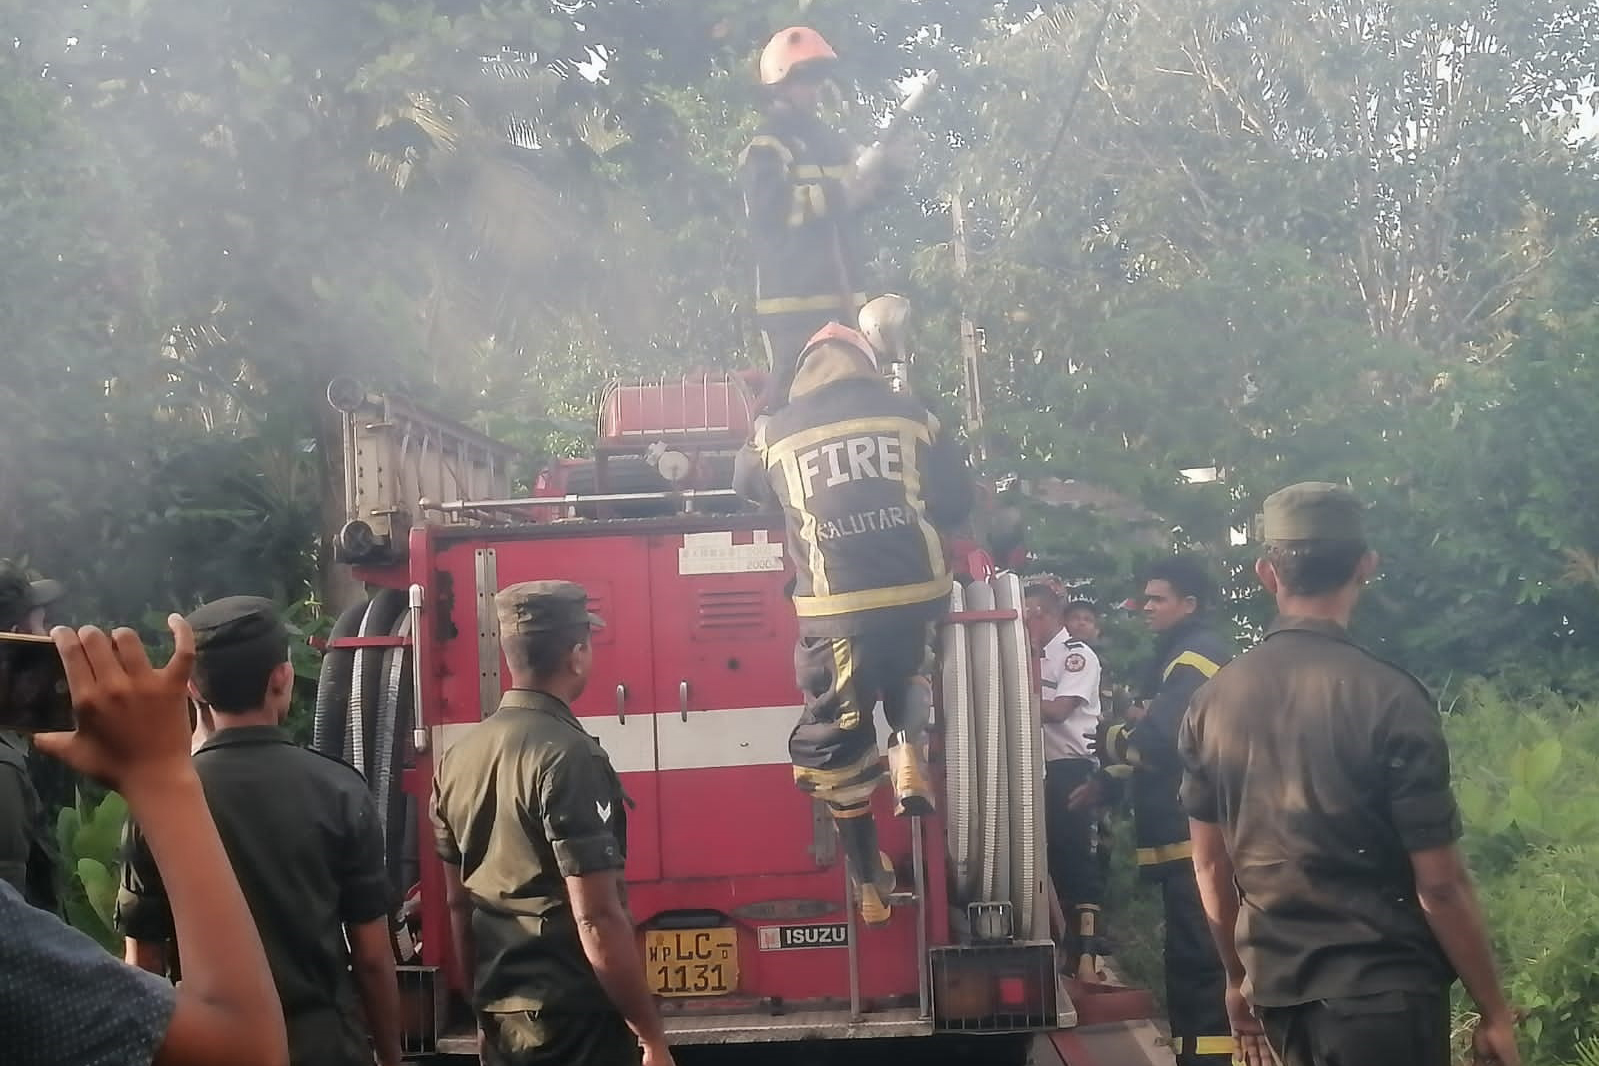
pixel 1144 752
pixel 804 188
pixel 866 479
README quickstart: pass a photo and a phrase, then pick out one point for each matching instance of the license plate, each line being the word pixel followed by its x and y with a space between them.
pixel 691 962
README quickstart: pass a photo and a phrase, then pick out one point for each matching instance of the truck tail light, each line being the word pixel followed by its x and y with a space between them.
pixel 995 987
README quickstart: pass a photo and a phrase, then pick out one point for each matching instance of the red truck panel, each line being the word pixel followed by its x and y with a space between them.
pixel 614 572
pixel 713 407
pixel 719 828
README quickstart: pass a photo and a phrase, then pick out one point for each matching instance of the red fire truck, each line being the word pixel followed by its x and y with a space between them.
pixel 745 916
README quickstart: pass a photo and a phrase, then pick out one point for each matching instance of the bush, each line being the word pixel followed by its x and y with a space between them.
pixel 1526 771
pixel 1527 777
pixel 89 836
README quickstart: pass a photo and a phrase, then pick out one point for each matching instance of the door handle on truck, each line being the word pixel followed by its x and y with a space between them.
pixel 621 704
pixel 682 700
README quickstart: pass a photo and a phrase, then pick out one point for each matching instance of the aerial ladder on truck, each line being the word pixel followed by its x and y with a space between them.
pixel 744 911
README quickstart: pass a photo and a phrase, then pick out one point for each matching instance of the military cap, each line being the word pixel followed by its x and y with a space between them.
pixel 18 595
pixel 235 622
pixel 543 606
pixel 1312 510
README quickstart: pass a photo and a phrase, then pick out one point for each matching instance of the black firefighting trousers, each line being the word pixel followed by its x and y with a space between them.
pixel 1385 1029
pixel 834 746
pixel 1196 983
pixel 532 1038
pixel 1073 860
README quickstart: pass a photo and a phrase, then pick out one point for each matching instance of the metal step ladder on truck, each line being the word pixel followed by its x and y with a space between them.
pixel 745 915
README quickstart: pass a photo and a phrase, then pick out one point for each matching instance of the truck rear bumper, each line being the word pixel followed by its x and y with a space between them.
pixel 794 1027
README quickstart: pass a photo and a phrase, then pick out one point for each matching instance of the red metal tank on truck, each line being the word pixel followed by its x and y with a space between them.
pixel 735 881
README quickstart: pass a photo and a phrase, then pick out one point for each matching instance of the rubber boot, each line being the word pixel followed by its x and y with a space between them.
pixel 1088 941
pixel 907 769
pixel 869 869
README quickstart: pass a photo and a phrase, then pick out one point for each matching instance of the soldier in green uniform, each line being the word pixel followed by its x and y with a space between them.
pixel 530 820
pixel 304 837
pixel 1324 826
pixel 27 849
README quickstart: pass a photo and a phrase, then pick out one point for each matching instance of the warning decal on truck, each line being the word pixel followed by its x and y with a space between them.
pixel 715 553
pixel 794 937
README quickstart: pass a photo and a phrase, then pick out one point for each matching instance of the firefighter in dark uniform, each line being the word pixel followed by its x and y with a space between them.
pixel 867 481
pixel 27 847
pixel 304 837
pixel 803 195
pixel 1144 754
pixel 1325 828
pixel 531 822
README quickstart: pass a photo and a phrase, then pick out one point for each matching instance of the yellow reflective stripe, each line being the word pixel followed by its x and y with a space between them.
pixel 772 143
pixel 1194 659
pixel 866 768
pixel 812 172
pixel 1206 1045
pixel 1120 747
pixel 872 599
pixel 1165 853
pixel 913 493
pixel 849 716
pixel 789 461
pixel 1120 773
pixel 784 305
pixel 796 208
pixel 809 204
pixel 880 426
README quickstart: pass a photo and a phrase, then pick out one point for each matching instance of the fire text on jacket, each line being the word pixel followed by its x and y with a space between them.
pixel 850 459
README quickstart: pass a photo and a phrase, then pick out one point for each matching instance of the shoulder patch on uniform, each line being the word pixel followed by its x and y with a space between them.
pixel 1075 663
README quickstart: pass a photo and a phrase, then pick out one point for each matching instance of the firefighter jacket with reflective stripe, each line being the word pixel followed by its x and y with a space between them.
pixel 866 479
pixel 1145 752
pixel 801 227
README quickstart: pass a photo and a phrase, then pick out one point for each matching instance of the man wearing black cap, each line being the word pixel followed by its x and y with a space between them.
pixel 27 851
pixel 531 823
pixel 1318 788
pixel 304 838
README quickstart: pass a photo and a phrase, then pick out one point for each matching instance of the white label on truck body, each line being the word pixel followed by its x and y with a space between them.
pixel 799 937
pixel 715 553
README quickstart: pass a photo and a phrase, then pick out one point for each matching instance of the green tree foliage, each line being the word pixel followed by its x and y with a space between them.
pixel 1331 239
pixel 1309 240
pixel 88 836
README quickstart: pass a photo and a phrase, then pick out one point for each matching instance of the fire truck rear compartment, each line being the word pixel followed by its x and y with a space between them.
pixel 746 919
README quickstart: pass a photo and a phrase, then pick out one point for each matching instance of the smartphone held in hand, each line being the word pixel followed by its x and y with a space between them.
pixel 33 686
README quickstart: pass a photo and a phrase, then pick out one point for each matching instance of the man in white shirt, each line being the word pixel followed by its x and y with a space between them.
pixel 1069 680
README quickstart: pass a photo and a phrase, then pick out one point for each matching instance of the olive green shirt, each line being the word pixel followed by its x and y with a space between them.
pixel 19 806
pixel 27 853
pixel 1325 768
pixel 524 800
pixel 301 831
